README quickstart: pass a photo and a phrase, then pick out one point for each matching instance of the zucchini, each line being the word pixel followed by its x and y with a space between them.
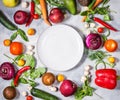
pixel 6 22
pixel 42 94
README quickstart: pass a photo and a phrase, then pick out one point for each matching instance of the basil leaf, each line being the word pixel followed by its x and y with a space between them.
pixel 22 34
pixel 13 36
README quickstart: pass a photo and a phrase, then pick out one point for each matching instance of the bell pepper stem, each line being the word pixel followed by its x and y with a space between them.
pixel 118 77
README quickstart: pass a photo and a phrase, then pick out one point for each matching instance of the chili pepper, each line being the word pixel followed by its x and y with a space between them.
pixel 19 73
pixel 30 19
pixel 71 6
pixel 104 24
pixel 32 10
pixel 106 78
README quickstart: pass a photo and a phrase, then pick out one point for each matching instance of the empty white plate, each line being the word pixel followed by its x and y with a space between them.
pixel 60 47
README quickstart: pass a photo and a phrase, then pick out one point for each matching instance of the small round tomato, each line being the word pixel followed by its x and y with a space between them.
pixel 35 16
pixel 29 97
pixel 7 42
pixel 31 31
pixel 100 29
pixel 111 45
pixel 111 59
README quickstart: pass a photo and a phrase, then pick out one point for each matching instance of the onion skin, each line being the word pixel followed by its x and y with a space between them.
pixel 7 71
pixel 93 41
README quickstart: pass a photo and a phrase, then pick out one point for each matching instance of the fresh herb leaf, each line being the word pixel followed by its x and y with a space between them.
pixel 22 34
pixel 36 73
pixel 84 13
pixel 32 83
pixel 107 17
pixel 13 36
pixel 105 2
pixel 23 80
pixel 85 90
pixel 30 60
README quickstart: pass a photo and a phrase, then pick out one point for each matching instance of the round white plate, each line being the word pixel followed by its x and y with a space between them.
pixel 60 47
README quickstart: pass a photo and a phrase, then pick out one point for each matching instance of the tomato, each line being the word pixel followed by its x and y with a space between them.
pixel 16 48
pixel 35 16
pixel 29 98
pixel 111 45
pixel 31 31
pixel 7 42
pixel 100 30
pixel 60 77
pixel 111 59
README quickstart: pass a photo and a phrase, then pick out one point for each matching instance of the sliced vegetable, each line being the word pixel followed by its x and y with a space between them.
pixel 42 94
pixel 19 73
pixel 98 20
pixel 7 71
pixel 43 6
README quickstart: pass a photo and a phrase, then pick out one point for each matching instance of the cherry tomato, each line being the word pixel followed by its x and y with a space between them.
pixel 29 97
pixel 111 45
pixel 100 30
pixel 35 16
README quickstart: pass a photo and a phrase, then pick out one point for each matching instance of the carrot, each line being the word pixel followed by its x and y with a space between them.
pixel 44 11
pixel 97 2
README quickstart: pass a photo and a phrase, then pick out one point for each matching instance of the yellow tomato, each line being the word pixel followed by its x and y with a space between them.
pixel 31 31
pixel 60 77
pixel 7 42
pixel 21 62
pixel 111 59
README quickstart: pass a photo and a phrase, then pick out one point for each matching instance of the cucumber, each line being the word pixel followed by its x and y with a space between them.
pixel 6 22
pixel 42 94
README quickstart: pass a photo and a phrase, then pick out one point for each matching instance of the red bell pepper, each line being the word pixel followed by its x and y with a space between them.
pixel 19 73
pixel 106 78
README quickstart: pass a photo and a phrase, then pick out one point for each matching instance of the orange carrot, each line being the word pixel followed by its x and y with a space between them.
pixel 44 11
pixel 97 2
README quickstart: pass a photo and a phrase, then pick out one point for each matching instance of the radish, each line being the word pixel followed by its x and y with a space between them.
pixel 68 88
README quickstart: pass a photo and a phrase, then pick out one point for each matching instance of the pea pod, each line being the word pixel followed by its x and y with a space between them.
pixel 6 22
pixel 71 6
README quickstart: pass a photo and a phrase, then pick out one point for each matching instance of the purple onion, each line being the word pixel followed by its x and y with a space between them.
pixel 7 71
pixel 93 41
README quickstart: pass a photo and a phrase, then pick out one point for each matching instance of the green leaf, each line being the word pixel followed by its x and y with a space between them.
pixel 32 83
pixel 36 73
pixel 30 60
pixel 22 34
pixel 105 2
pixel 13 36
pixel 23 80
pixel 84 13
pixel 107 17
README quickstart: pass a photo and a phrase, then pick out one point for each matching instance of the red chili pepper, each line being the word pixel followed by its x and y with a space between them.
pixel 19 73
pixel 30 19
pixel 104 24
pixel 32 10
pixel 106 78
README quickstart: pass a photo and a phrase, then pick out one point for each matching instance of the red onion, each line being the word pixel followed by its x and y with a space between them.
pixel 7 71
pixel 93 41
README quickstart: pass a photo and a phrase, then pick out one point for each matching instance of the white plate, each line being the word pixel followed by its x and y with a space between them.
pixel 60 47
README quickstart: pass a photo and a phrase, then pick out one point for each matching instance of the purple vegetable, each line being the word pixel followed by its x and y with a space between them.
pixel 7 71
pixel 93 41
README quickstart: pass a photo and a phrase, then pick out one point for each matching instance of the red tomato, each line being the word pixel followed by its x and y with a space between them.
pixel 35 16
pixel 100 30
pixel 29 98
pixel 111 45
